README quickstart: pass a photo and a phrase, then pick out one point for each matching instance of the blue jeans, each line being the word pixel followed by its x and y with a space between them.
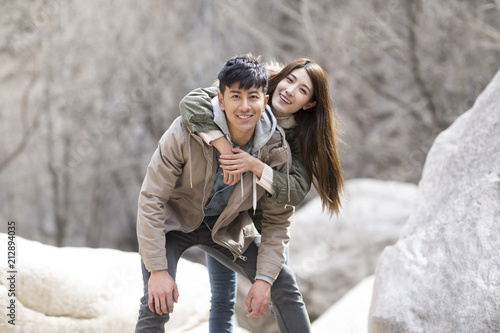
pixel 223 285
pixel 223 288
pixel 290 311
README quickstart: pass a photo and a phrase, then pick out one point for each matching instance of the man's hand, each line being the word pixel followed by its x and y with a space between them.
pixel 225 148
pixel 162 288
pixel 260 293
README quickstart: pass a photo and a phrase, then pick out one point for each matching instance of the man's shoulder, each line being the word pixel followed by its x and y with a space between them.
pixel 176 130
pixel 178 125
pixel 278 137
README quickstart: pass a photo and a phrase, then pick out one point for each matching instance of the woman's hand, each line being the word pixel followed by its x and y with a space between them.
pixel 240 162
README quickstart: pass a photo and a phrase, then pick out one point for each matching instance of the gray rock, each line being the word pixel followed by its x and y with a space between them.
pixel 330 255
pixel 350 313
pixel 69 289
pixel 443 275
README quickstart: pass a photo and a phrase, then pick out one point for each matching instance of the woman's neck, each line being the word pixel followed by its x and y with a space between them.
pixel 280 115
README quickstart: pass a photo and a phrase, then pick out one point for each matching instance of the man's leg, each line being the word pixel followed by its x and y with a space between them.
pixel 176 243
pixel 288 305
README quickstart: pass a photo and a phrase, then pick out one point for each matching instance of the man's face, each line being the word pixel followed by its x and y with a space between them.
pixel 243 108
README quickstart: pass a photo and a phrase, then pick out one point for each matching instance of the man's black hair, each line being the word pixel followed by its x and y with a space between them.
pixel 246 70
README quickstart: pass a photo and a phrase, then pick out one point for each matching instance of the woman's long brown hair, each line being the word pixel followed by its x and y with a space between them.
pixel 318 128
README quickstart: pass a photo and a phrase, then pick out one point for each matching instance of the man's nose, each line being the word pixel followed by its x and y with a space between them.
pixel 244 105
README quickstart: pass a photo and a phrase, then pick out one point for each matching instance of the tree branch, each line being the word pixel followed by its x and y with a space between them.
pixel 29 130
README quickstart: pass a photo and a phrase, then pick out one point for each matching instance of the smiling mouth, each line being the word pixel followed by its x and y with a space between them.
pixel 284 99
pixel 244 117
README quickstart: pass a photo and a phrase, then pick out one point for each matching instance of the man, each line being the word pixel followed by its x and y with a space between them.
pixel 179 208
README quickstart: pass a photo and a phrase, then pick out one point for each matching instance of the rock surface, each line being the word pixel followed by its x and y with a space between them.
pixel 443 275
pixel 350 313
pixel 90 290
pixel 330 255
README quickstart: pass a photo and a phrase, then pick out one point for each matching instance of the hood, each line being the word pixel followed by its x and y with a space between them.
pixel 264 128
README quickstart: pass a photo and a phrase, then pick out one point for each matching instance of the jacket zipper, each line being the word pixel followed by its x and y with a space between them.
pixel 242 257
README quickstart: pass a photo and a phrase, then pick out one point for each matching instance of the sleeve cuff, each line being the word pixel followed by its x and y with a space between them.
pixel 210 136
pixel 264 278
pixel 266 181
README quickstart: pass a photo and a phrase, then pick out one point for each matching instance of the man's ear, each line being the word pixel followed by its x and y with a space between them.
pixel 309 105
pixel 266 99
pixel 221 100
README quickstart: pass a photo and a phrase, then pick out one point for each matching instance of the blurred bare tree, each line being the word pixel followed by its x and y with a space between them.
pixel 87 89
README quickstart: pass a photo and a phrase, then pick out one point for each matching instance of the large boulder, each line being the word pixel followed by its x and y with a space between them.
pixel 88 290
pixel 443 275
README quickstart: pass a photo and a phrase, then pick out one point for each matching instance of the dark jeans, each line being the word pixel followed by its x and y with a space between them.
pixel 288 306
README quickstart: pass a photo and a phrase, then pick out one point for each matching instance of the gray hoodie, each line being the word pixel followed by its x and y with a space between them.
pixel 264 130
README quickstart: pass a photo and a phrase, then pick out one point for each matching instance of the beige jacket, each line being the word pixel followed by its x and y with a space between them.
pixel 178 182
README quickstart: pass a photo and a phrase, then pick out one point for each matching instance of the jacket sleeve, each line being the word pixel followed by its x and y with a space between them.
pixel 196 109
pixel 163 170
pixel 276 221
pixel 300 182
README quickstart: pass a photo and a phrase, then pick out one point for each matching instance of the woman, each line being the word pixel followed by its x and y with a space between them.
pixel 300 100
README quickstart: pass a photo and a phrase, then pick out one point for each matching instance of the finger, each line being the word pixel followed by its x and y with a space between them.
pixel 233 179
pixel 229 157
pixel 230 167
pixel 248 302
pixel 263 309
pixel 226 177
pixel 176 294
pixel 158 306
pixel 229 180
pixel 229 164
pixel 237 178
pixel 237 150
pixel 255 311
pixel 150 303
pixel 234 172
pixel 170 304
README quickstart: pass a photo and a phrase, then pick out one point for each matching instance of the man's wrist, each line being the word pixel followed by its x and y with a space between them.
pixel 159 272
pixel 264 278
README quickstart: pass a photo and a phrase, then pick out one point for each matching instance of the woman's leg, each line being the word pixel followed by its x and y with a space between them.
pixel 289 308
pixel 223 285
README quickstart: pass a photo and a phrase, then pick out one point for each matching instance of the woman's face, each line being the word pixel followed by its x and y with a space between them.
pixel 293 93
